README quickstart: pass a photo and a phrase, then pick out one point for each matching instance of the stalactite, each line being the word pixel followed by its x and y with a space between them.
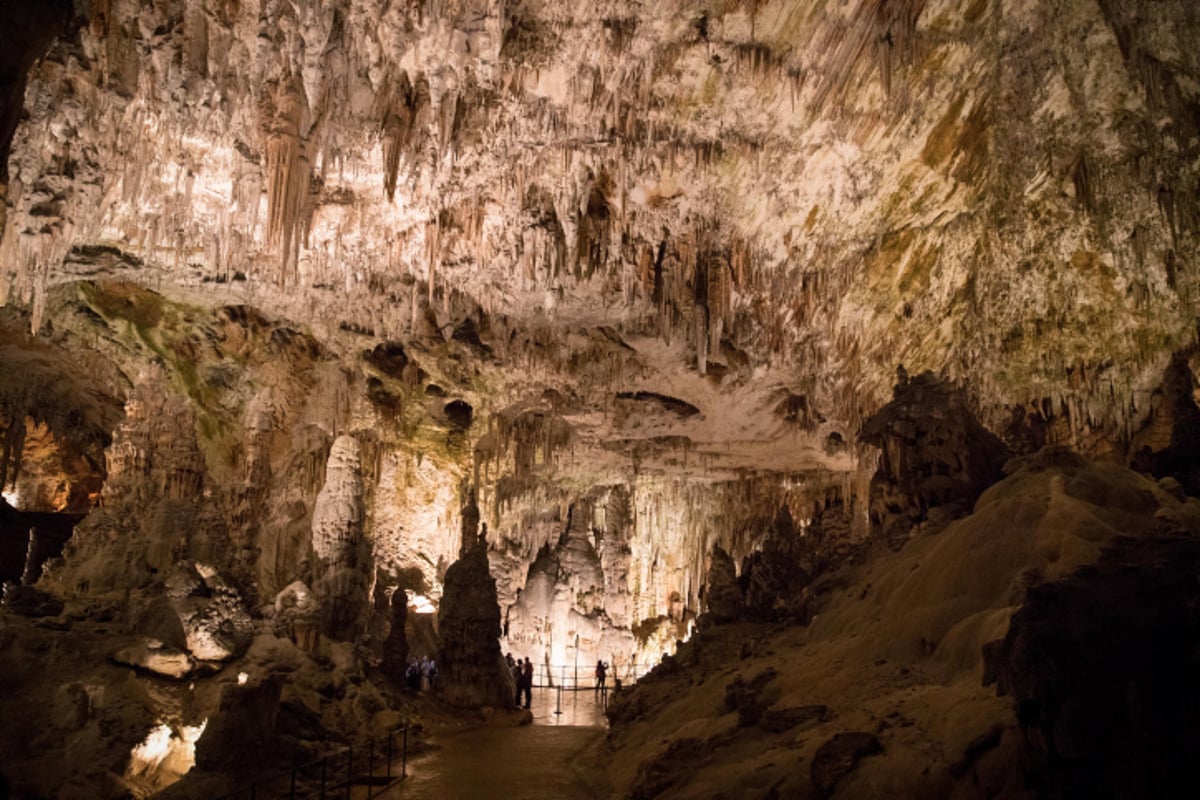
pixel 433 253
pixel 399 116
pixel 287 171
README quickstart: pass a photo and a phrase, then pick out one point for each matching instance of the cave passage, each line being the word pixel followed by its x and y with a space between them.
pixel 532 761
pixel 29 538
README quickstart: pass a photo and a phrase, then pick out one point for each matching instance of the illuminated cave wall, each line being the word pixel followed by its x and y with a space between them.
pixel 633 275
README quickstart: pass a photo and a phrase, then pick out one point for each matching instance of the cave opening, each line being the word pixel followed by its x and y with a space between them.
pixel 55 424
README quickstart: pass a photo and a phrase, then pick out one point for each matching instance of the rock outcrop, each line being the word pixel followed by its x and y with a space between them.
pixel 1099 668
pixel 857 702
pixel 723 595
pixel 934 455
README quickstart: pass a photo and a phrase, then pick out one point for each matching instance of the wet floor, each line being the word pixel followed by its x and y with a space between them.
pixel 532 762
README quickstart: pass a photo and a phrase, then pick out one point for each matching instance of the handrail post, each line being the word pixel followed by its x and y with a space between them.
pixel 292 795
pixel 323 760
pixel 370 769
pixel 253 788
pixel 404 756
pixel 349 765
pixel 391 734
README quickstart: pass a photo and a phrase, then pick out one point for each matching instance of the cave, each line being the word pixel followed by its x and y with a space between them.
pixel 802 393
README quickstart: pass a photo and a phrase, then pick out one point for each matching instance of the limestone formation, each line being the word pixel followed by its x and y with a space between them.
pixel 154 656
pixel 341 571
pixel 215 623
pixel 773 578
pixel 838 756
pixel 395 646
pixel 242 728
pixel 854 704
pixel 298 616
pixel 723 596
pixel 1128 621
pixel 934 453
pixel 471 671
pixel 640 311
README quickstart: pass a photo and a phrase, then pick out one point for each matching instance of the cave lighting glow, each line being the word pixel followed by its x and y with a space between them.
pixel 422 605
pixel 164 749
pixel 146 756
pixel 11 496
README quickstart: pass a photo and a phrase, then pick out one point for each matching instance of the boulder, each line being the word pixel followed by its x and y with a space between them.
pixel 837 758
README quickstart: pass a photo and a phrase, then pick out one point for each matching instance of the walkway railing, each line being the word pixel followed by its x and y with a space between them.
pixel 334 776
pixel 580 677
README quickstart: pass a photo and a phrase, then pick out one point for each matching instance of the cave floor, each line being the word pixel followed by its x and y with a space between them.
pixel 531 762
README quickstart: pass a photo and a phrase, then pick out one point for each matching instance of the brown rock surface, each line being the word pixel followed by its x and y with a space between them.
pixel 897 654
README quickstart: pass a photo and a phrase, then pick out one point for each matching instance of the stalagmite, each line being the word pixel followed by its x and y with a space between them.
pixel 337 520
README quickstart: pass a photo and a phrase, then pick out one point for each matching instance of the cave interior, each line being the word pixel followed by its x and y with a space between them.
pixel 826 369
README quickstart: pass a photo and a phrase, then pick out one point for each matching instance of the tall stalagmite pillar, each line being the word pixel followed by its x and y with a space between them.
pixel 471 669
pixel 340 558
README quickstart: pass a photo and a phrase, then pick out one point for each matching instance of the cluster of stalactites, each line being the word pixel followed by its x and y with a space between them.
pixel 520 442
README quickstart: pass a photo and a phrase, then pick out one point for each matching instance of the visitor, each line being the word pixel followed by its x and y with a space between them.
pixel 516 671
pixel 526 683
pixel 601 674
pixel 430 673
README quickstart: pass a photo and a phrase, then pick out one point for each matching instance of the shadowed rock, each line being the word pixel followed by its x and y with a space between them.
pixel 395 646
pixel 723 594
pixel 470 667
pixel 1101 668
pixel 837 758
pixel 935 453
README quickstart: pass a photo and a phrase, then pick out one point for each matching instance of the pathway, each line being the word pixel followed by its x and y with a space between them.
pixel 532 762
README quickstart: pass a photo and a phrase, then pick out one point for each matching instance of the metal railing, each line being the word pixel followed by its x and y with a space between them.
pixel 580 677
pixel 335 775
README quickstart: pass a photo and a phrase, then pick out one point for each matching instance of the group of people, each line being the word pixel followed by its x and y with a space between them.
pixel 420 675
pixel 522 675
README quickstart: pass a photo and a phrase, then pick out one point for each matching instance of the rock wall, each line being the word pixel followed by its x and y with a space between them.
pixel 638 274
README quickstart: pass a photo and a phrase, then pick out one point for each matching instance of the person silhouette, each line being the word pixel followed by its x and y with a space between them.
pixel 526 683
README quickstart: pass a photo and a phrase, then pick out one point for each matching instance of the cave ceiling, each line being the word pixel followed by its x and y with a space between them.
pixel 697 238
